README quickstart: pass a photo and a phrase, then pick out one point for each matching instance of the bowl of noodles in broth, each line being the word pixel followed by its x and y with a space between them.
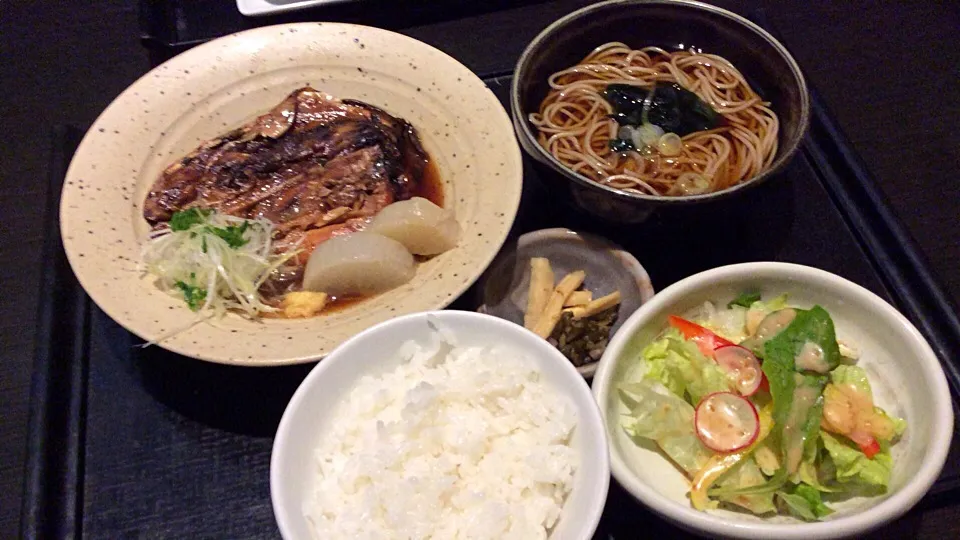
pixel 633 105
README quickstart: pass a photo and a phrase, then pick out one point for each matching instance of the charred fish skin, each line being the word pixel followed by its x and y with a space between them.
pixel 307 156
pixel 415 161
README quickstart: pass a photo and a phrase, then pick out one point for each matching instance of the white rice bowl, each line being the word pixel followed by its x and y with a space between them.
pixel 486 432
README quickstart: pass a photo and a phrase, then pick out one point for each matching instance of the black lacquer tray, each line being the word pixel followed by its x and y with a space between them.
pixel 132 442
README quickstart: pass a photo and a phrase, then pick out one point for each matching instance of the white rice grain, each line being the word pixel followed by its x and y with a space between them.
pixel 456 443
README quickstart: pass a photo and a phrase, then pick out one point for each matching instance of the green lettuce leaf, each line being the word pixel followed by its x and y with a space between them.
pixel 658 367
pixel 810 433
pixel 827 471
pixel 814 325
pixel 854 468
pixel 820 474
pixel 767 456
pixel 745 299
pixel 798 431
pixel 797 399
pixel 665 419
pixel 729 323
pixel 809 474
pixel 809 470
pixel 805 503
pixel 774 304
pixel 680 366
pixel 772 485
pixel 745 475
pixel 855 376
pixel 899 424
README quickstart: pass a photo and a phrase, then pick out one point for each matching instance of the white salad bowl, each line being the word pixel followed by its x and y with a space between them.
pixel 374 351
pixel 904 373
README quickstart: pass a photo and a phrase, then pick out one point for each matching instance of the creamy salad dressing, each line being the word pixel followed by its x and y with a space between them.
pixel 804 397
pixel 850 410
pixel 811 358
pixel 773 323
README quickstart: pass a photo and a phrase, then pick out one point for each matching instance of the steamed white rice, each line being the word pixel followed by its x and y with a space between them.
pixel 455 443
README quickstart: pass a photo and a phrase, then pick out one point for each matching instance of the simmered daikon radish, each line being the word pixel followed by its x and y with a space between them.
pixel 423 227
pixel 358 264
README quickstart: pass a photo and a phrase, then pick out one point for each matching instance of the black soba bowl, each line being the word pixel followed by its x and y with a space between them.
pixel 669 24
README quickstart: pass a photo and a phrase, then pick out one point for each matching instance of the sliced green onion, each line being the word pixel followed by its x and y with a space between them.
pixel 670 144
pixel 691 183
pixel 647 135
pixel 215 262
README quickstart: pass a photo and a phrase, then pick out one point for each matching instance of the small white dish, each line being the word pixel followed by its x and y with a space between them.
pixel 259 8
pixel 373 351
pixel 609 268
pixel 904 372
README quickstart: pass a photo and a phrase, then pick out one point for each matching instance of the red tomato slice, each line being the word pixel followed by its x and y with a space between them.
pixel 741 366
pixel 726 422
pixel 706 340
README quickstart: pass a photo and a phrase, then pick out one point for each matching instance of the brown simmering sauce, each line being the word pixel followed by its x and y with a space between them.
pixel 343 302
pixel 430 188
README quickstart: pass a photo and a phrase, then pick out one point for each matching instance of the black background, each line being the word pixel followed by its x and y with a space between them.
pixel 888 71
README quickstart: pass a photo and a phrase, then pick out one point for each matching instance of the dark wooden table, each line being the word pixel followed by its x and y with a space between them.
pixel 888 70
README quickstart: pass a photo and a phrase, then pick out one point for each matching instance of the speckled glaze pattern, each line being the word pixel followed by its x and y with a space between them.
pixel 608 266
pixel 222 84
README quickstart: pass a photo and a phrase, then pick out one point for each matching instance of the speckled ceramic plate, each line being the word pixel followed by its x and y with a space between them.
pixel 222 84
pixel 608 266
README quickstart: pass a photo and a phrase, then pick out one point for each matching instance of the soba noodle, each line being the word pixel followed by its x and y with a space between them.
pixel 575 123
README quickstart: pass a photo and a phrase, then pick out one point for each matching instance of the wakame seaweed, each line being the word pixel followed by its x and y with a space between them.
pixel 671 107
pixel 621 145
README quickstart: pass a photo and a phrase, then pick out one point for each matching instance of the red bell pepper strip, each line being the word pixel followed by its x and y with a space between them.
pixel 868 443
pixel 706 340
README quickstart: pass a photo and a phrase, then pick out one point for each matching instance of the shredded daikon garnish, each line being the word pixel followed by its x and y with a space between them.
pixel 214 261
